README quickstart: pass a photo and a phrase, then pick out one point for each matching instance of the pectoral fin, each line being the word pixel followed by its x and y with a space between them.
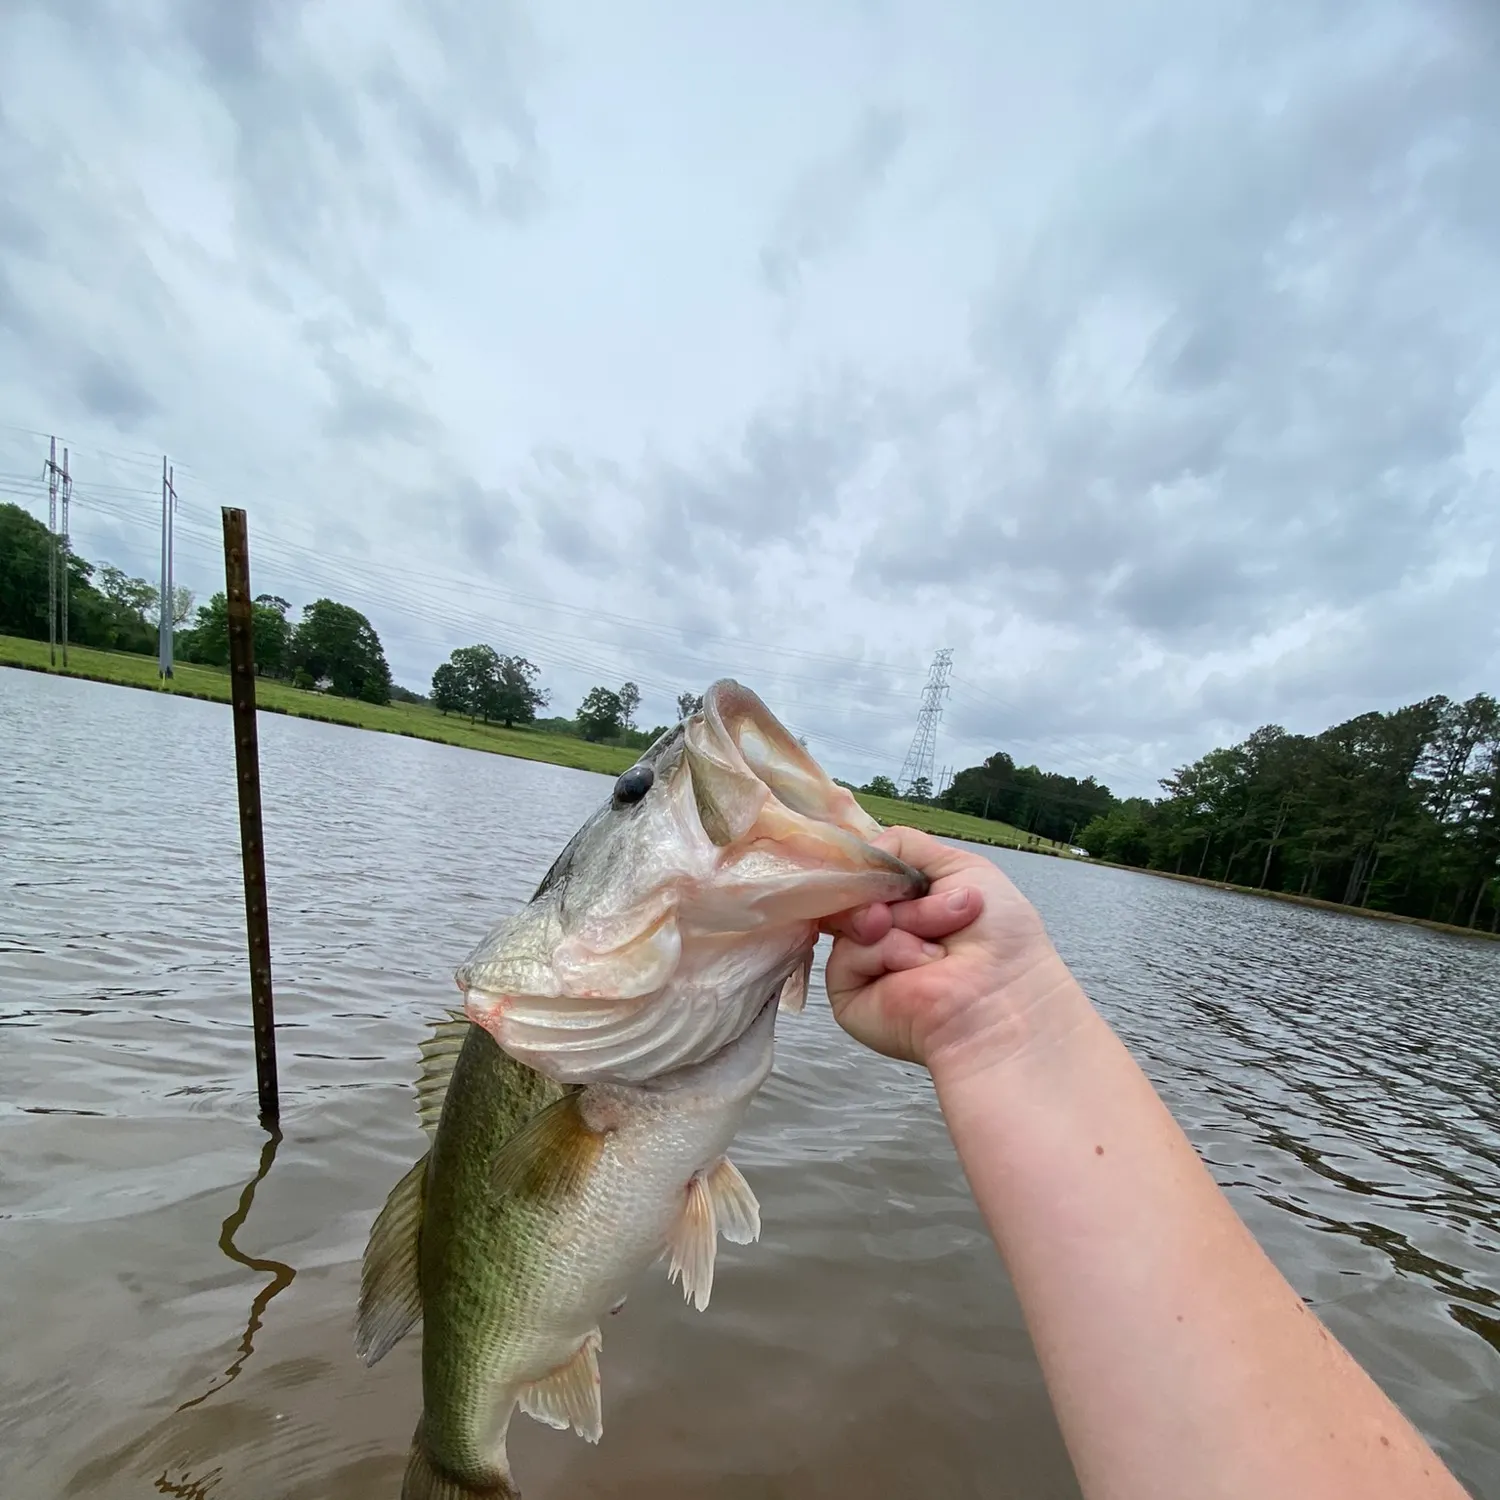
pixel 569 1396
pixel 390 1294
pixel 551 1155
pixel 735 1207
pixel 719 1201
pixel 692 1245
pixel 794 991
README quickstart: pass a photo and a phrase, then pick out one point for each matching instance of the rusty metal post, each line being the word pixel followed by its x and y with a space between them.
pixel 247 767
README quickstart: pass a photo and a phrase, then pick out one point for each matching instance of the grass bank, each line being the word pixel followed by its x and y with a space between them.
pixel 124 669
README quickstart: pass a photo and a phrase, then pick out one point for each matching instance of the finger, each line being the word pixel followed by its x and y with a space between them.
pixel 852 965
pixel 863 925
pixel 940 914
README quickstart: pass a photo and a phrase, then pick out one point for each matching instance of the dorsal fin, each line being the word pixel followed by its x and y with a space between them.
pixel 439 1057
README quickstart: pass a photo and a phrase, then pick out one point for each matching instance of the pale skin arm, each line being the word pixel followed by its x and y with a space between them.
pixel 1179 1360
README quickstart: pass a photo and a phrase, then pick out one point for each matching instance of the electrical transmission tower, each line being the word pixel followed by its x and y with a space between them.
pixel 920 758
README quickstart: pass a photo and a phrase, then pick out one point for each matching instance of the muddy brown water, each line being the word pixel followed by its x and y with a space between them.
pixel 178 1287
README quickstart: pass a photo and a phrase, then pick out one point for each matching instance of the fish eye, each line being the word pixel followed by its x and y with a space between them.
pixel 633 785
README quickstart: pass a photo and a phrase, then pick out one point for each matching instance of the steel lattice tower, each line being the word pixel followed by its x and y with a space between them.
pixel 922 755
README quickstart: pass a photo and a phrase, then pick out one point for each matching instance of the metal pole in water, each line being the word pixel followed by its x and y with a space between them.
pixel 247 767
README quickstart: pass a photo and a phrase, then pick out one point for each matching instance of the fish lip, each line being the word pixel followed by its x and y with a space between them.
pixel 803 789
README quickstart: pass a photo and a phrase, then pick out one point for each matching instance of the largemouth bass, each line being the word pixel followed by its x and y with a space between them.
pixel 690 896
pixel 633 1001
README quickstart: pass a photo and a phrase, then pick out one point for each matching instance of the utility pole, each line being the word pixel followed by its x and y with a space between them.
pixel 67 499
pixel 52 472
pixel 164 611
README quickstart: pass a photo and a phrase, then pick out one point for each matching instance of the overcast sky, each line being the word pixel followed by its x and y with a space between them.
pixel 1146 354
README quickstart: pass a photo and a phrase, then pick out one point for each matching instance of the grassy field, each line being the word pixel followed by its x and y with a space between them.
pixel 420 722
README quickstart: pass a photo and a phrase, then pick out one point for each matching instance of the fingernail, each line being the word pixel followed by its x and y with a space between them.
pixel 933 950
pixel 957 900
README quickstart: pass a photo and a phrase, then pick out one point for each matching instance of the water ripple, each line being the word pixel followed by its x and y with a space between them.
pixel 181 1290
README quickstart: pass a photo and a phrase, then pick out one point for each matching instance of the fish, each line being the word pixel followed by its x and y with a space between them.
pixel 695 891
pixel 524 1226
pixel 581 1106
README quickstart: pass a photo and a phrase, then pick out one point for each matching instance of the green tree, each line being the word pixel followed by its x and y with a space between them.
pixel 920 790
pixel 24 548
pixel 518 697
pixel 271 633
pixel 630 700
pixel 448 695
pixel 335 644
pixel 477 669
pixel 881 786
pixel 128 615
pixel 689 704
pixel 601 715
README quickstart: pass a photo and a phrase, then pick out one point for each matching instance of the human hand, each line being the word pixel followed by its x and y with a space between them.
pixel 965 974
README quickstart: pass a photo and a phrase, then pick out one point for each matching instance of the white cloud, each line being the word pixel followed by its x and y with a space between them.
pixel 1141 355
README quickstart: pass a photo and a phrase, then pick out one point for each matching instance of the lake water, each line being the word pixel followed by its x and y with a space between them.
pixel 179 1287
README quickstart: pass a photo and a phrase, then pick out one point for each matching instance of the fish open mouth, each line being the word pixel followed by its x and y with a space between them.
pixel 756 786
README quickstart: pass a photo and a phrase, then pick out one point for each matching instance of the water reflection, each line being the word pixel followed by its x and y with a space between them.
pixel 280 1273
pixel 1340 1078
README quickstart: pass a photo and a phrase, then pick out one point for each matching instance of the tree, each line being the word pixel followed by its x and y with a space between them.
pixel 448 690
pixel 881 786
pixel 478 672
pixel 689 704
pixel 630 700
pixel 128 618
pixel 480 682
pixel 519 697
pixel 920 790
pixel 336 644
pixel 134 595
pixel 271 633
pixel 601 715
pixel 24 548
pixel 208 641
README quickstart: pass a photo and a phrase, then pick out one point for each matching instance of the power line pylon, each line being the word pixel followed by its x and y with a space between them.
pixel 917 767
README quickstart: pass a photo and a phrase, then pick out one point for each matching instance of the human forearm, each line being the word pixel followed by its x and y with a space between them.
pixel 1179 1360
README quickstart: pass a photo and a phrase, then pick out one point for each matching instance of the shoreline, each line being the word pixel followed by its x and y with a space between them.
pixel 420 721
pixel 1293 899
pixel 607 760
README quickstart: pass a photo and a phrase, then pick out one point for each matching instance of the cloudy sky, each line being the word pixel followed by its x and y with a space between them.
pixel 1147 355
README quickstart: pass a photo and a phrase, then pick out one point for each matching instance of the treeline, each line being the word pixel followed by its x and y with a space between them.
pixel 1044 803
pixel 332 648
pixel 1396 811
pixel 480 682
pixel 107 609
